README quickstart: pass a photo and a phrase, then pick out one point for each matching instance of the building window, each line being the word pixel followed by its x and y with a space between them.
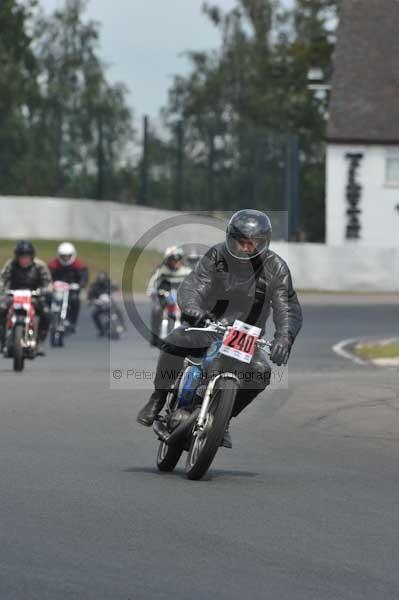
pixel 392 167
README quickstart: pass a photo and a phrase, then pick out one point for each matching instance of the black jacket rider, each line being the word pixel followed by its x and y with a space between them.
pixel 238 279
pixel 36 276
pixel 244 291
pixel 99 287
pixel 33 277
pixel 103 285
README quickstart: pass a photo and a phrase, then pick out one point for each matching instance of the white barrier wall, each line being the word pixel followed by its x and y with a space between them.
pixel 342 268
pixel 313 266
pixel 50 218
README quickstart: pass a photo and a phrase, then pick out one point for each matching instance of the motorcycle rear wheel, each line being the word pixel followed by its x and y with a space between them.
pixel 204 445
pixel 18 349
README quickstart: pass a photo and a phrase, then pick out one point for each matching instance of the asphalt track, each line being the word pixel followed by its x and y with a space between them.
pixel 305 505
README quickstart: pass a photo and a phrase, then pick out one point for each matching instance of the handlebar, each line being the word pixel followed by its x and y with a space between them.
pixel 220 327
pixel 35 293
pixel 163 292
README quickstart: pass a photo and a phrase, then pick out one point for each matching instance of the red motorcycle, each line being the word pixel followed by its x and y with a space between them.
pixel 21 328
pixel 171 316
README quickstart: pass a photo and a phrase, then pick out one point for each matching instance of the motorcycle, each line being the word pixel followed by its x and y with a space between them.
pixel 21 328
pixel 111 325
pixel 171 316
pixel 59 310
pixel 200 403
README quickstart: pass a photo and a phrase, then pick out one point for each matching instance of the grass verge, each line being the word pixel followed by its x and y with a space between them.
pixel 381 350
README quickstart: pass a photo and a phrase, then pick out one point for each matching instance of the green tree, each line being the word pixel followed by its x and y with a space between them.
pixel 86 121
pixel 18 94
pixel 251 94
pixel 314 23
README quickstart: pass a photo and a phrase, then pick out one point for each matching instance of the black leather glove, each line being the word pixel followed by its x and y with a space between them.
pixel 280 350
pixel 195 318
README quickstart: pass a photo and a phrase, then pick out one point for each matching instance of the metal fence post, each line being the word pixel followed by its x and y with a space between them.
pixel 100 156
pixel 179 166
pixel 292 192
pixel 211 171
pixel 143 194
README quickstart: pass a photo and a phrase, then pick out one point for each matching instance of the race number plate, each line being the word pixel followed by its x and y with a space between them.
pixel 22 296
pixel 240 341
pixel 61 286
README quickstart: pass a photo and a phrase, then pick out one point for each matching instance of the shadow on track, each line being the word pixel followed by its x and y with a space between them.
pixel 213 474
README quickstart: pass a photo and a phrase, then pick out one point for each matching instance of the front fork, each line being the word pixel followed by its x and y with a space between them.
pixel 29 340
pixel 208 395
pixel 64 309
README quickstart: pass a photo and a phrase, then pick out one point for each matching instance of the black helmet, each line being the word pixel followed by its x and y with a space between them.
pixel 24 248
pixel 248 225
pixel 102 277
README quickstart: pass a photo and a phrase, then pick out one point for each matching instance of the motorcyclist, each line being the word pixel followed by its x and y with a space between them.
pixel 238 279
pixel 103 285
pixel 66 266
pixel 192 258
pixel 167 276
pixel 27 272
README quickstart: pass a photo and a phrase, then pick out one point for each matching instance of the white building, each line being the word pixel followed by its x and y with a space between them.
pixel 363 132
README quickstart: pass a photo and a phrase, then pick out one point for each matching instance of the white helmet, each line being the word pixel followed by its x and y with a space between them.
pixel 66 253
pixel 173 252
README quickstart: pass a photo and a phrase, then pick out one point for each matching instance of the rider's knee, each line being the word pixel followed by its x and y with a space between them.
pixel 261 371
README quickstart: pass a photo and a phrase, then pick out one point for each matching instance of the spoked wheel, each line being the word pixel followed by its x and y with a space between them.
pixel 18 348
pixel 168 456
pixel 206 442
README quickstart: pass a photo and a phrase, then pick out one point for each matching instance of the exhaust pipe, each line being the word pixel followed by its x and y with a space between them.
pixel 177 434
pixel 161 431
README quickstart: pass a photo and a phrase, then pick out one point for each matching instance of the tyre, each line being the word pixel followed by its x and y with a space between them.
pixel 18 348
pixel 56 339
pixel 114 324
pixel 204 445
pixel 168 456
pixel 106 325
pixel 54 330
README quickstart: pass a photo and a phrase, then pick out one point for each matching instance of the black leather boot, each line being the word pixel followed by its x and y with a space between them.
pixel 153 407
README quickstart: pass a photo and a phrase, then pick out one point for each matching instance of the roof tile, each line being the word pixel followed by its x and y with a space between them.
pixel 364 103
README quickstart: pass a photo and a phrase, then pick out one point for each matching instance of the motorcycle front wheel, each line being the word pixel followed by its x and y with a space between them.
pixel 114 324
pixel 18 349
pixel 57 339
pixel 205 444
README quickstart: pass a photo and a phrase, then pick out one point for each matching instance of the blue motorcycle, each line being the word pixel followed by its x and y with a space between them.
pixel 200 403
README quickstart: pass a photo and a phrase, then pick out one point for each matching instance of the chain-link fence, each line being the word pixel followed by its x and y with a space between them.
pixel 185 169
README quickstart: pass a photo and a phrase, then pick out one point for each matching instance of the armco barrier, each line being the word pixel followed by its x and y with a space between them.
pixel 313 266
